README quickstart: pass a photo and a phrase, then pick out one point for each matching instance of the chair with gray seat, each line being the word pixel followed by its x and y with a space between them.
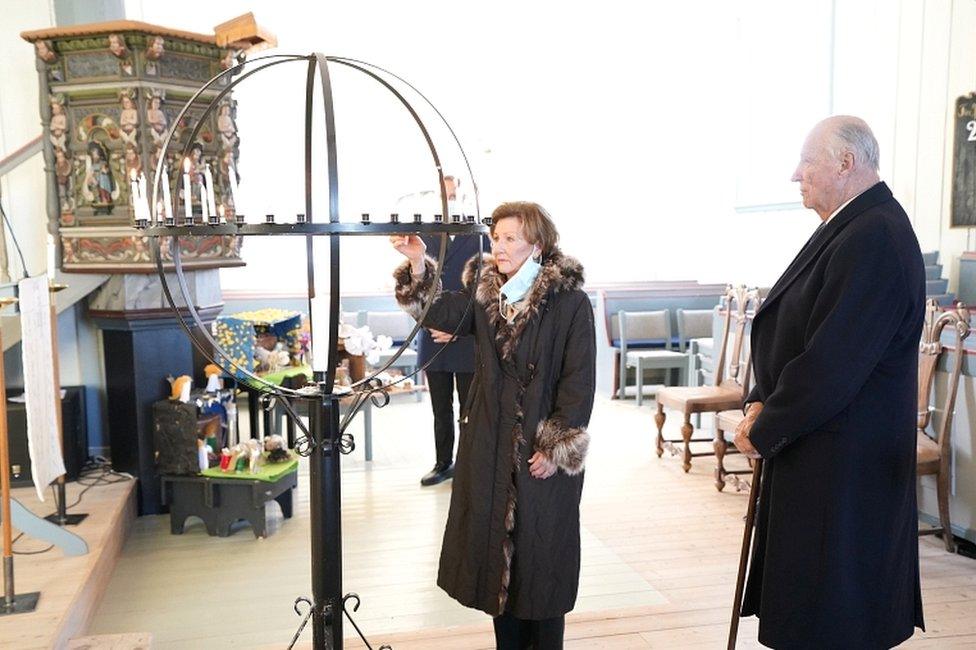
pixel 648 326
pixel 694 339
pixel 693 324
pixel 354 318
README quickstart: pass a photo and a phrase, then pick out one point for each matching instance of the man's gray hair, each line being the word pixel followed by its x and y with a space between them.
pixel 853 134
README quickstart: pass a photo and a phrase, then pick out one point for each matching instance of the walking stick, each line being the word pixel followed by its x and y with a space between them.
pixel 740 581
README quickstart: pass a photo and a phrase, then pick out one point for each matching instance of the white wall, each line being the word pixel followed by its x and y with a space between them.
pixel 620 120
pixel 617 120
pixel 605 116
pixel 23 198
pixel 20 121
pixel 937 64
pixel 901 66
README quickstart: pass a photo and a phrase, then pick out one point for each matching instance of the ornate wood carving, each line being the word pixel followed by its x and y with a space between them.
pixel 111 93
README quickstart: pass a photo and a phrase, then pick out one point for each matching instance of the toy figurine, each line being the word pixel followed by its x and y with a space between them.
pixel 253 453
pixel 234 458
pixel 277 451
pixel 212 371
pixel 202 458
pixel 180 388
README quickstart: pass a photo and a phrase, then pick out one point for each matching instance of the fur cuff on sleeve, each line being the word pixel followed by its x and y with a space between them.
pixel 566 446
pixel 411 292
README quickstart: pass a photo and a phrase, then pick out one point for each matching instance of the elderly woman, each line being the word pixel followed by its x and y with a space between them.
pixel 511 545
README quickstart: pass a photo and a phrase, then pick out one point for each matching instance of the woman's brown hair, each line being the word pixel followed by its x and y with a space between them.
pixel 537 225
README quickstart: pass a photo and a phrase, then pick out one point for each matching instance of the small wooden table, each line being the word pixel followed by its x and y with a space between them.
pixel 221 502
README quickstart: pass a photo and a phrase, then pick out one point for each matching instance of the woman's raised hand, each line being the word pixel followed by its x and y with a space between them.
pixel 412 247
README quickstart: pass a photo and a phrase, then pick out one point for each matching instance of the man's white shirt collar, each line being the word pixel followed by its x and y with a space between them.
pixel 844 205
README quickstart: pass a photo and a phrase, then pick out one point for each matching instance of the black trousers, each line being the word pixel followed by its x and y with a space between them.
pixel 515 634
pixel 442 386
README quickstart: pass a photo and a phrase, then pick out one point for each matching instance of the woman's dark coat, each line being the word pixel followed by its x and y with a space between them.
pixel 512 541
pixel 835 346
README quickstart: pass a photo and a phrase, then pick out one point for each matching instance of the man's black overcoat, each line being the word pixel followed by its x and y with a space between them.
pixel 835 347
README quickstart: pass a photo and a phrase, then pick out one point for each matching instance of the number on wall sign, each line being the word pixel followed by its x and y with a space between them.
pixel 971 125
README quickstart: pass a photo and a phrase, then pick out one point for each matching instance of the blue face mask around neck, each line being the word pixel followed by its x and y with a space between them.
pixel 519 284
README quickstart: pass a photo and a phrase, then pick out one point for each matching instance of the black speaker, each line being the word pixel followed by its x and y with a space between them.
pixel 74 422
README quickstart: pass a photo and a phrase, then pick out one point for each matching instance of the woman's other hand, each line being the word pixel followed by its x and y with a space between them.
pixel 540 466
pixel 440 337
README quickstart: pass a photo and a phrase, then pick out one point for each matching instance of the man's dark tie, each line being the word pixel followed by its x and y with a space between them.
pixel 816 232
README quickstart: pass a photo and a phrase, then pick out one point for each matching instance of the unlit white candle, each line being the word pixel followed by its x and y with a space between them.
pixel 167 203
pixel 211 199
pixel 187 193
pixel 204 203
pixel 232 180
pixel 143 211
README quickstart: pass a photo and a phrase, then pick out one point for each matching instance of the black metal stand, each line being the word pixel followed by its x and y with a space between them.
pixel 61 517
pixel 324 439
pixel 325 496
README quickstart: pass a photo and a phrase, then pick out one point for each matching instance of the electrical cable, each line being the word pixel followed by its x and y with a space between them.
pixel 96 472
pixel 10 229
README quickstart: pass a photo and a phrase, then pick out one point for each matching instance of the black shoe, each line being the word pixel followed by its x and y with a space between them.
pixel 440 473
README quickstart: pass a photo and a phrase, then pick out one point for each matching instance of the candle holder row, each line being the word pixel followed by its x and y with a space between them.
pixel 213 216
pixel 142 221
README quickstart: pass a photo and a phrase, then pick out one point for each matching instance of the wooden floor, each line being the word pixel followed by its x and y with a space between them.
pixel 70 587
pixel 659 558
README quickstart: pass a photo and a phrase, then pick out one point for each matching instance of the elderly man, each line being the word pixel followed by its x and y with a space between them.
pixel 835 558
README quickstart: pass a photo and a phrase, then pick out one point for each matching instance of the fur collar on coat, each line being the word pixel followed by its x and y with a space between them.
pixel 558 273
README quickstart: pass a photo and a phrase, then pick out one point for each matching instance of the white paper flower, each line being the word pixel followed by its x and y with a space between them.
pixel 354 344
pixel 360 341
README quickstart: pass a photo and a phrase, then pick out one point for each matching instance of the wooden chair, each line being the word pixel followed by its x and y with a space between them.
pixel 644 326
pixel 725 425
pixel 731 379
pixel 934 452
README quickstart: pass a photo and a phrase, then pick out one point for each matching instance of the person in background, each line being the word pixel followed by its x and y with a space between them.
pixel 452 368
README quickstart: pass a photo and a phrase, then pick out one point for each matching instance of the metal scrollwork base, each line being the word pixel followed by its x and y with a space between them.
pixel 345 610
pixel 307 615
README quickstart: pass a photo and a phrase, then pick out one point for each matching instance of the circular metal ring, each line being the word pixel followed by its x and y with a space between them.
pixel 333 228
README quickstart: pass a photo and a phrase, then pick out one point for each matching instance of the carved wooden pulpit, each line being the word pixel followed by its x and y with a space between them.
pixel 110 93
